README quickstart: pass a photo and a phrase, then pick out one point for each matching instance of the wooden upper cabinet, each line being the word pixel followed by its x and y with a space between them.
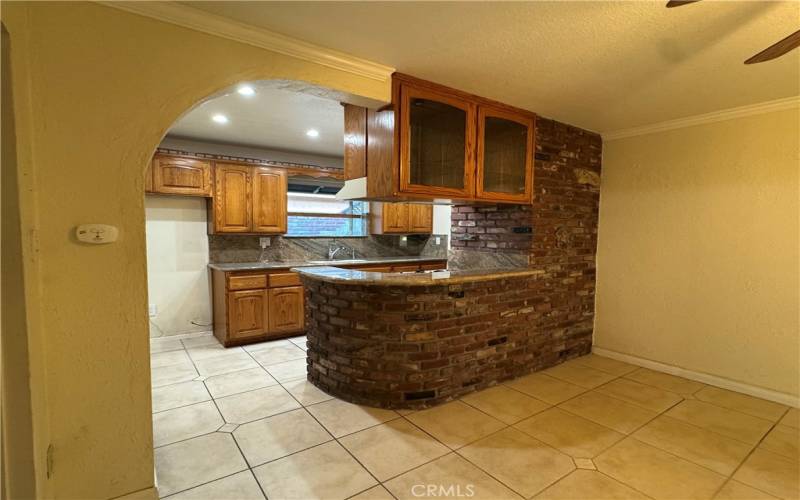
pixel 232 199
pixel 395 218
pixel 269 200
pixel 249 200
pixel 505 155
pixel 286 309
pixel 420 218
pixel 437 136
pixel 184 176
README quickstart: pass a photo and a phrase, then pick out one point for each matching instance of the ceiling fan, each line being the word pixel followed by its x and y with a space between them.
pixel 772 52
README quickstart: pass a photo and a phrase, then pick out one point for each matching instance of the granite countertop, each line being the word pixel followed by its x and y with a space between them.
pixel 255 266
pixel 339 275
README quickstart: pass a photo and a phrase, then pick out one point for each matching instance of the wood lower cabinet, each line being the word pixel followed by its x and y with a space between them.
pixel 249 200
pixel 286 309
pixel 248 313
pixel 182 176
pixel 401 218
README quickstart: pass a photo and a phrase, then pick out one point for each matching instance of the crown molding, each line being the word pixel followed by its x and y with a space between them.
pixel 212 24
pixel 716 116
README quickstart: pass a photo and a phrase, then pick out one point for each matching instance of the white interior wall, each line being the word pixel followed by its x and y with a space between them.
pixel 178 279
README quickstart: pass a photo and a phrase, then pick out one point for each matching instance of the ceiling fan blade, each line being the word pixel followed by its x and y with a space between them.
pixel 678 3
pixel 776 50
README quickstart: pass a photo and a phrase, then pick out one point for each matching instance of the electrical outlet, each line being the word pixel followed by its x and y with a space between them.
pixel 264 241
pixel 152 310
pixel 438 240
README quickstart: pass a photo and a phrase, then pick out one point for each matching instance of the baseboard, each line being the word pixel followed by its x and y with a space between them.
pixel 145 494
pixel 750 390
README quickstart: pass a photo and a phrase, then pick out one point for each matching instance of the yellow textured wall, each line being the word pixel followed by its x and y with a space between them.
pixel 698 249
pixel 95 90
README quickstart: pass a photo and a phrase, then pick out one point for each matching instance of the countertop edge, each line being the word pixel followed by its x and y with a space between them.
pixel 252 266
pixel 339 276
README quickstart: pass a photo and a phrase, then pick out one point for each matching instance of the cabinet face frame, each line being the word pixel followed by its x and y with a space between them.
pixel 529 122
pixel 276 220
pixel 407 93
pixel 199 167
pixel 221 225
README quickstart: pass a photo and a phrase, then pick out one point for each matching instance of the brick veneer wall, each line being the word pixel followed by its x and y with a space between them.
pixel 413 347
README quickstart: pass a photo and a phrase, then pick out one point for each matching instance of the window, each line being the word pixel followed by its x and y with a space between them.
pixel 323 215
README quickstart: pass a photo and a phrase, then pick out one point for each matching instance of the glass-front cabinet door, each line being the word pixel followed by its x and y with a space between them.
pixel 505 155
pixel 437 136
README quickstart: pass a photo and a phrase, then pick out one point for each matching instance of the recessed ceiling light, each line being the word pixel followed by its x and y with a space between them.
pixel 246 90
pixel 312 133
pixel 219 118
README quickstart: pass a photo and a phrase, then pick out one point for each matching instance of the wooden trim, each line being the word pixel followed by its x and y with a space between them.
pixel 525 120
pixel 297 169
pixel 355 141
pixel 222 27
pixel 407 92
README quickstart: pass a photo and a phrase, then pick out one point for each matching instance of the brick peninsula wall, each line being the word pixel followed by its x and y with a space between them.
pixel 414 347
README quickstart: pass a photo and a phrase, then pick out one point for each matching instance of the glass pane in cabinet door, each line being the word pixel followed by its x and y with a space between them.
pixel 505 152
pixel 437 149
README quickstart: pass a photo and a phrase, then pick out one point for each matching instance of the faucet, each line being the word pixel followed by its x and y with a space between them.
pixel 334 248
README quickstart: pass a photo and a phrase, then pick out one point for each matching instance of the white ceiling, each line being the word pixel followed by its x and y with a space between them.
pixel 604 66
pixel 270 119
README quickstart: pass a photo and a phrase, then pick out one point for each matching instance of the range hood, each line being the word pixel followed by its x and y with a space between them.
pixel 353 189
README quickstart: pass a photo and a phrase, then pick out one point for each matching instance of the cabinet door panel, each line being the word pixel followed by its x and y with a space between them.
pixel 269 200
pixel 395 218
pixel 248 313
pixel 286 309
pixel 181 176
pixel 437 134
pixel 232 199
pixel 420 218
pixel 505 155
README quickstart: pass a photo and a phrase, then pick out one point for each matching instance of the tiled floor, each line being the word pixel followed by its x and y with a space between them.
pixel 243 423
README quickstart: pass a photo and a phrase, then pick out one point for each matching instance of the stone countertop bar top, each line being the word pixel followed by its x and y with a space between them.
pixel 255 266
pixel 342 276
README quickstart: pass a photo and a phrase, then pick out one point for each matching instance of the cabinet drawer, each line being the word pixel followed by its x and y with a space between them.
pixel 432 266
pixel 247 282
pixel 284 279
pixel 405 268
pixel 380 269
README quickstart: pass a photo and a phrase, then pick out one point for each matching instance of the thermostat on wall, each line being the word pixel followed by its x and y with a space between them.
pixel 96 233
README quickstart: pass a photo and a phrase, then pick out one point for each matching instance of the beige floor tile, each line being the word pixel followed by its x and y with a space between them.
pixel 172 374
pixel 742 402
pixel 212 351
pixel 610 412
pixel 734 490
pixel 726 422
pixel 289 370
pixel 240 486
pixel 374 493
pixel 183 465
pixel 657 473
pixel 164 344
pixel 280 435
pixel 783 440
pixel 571 434
pixel 646 396
pixel 225 364
pixel 254 405
pixel 326 472
pixel 456 423
pixel 200 340
pixel 589 485
pixel 607 365
pixel 524 464
pixel 168 358
pixel 451 477
pixel 665 381
pixel 176 395
pixel 306 392
pixel 186 422
pixel 578 374
pixel 342 418
pixel 278 354
pixel 392 448
pixel 265 345
pixel 792 418
pixel 771 473
pixel 240 381
pixel 504 404
pixel 548 389
pixel 709 449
